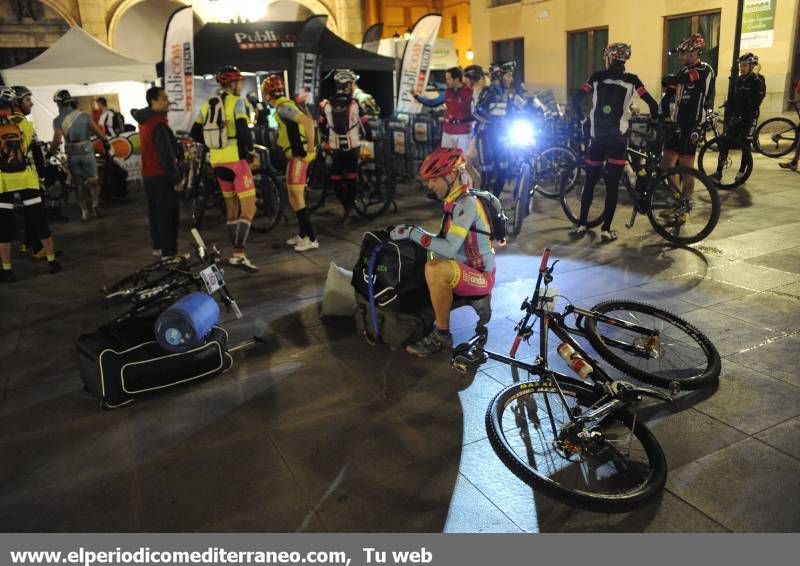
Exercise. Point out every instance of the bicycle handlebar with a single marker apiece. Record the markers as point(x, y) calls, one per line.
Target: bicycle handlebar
point(545, 258)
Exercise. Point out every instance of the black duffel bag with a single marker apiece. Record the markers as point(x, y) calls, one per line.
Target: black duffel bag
point(398, 272)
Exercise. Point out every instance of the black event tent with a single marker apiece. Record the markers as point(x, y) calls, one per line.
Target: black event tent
point(268, 46)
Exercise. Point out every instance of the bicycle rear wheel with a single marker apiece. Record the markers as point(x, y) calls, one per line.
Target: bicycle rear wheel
point(572, 195)
point(610, 464)
point(775, 137)
point(201, 198)
point(727, 157)
point(268, 201)
point(679, 219)
point(375, 189)
point(551, 162)
point(678, 353)
point(318, 183)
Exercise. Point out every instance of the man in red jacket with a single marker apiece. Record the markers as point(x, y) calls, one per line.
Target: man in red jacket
point(458, 115)
point(159, 172)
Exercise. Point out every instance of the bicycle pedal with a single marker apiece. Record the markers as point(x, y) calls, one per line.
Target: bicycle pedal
point(465, 363)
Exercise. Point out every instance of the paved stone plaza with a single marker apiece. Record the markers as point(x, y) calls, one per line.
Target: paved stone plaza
point(315, 430)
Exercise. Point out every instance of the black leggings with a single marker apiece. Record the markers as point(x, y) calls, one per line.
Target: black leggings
point(612, 150)
point(33, 211)
point(344, 175)
point(494, 160)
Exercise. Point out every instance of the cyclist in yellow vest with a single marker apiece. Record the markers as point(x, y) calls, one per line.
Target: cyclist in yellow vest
point(297, 139)
point(232, 161)
point(23, 184)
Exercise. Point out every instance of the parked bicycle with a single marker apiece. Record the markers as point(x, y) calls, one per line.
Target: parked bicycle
point(375, 187)
point(677, 215)
point(155, 287)
point(581, 439)
point(205, 192)
point(777, 137)
point(726, 159)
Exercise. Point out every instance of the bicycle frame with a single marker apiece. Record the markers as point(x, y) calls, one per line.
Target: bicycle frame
point(473, 354)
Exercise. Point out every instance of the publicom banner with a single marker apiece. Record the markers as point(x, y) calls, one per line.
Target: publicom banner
point(179, 68)
point(416, 66)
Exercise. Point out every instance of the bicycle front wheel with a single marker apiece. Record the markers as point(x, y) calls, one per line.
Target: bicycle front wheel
point(551, 162)
point(684, 205)
point(572, 196)
point(775, 137)
point(521, 200)
point(268, 201)
point(375, 189)
point(676, 351)
point(727, 161)
point(608, 464)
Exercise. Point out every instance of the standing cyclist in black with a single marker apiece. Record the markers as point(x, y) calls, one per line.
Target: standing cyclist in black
point(742, 110)
point(692, 89)
point(344, 123)
point(495, 103)
point(612, 91)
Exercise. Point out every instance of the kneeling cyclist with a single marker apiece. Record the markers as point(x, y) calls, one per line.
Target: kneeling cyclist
point(461, 256)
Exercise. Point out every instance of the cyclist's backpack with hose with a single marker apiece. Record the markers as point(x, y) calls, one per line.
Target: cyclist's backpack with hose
point(392, 300)
point(12, 147)
point(215, 127)
point(494, 211)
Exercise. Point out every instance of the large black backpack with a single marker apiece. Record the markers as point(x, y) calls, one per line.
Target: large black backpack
point(397, 272)
point(392, 298)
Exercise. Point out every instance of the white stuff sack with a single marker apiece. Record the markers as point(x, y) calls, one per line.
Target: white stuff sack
point(339, 298)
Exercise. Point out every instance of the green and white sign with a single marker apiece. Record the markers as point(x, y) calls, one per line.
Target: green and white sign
point(758, 23)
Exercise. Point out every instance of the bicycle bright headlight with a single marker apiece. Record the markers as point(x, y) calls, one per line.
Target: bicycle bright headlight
point(521, 133)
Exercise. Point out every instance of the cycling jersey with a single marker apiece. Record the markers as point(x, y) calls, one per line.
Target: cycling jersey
point(458, 238)
point(495, 103)
point(240, 141)
point(458, 102)
point(291, 135)
point(694, 92)
point(748, 92)
point(612, 91)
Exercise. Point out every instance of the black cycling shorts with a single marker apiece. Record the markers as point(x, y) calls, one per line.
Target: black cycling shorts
point(684, 143)
point(613, 149)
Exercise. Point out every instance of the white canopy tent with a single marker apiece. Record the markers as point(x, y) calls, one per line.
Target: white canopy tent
point(83, 65)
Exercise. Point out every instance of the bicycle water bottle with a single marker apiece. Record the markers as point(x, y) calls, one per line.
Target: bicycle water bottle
point(575, 361)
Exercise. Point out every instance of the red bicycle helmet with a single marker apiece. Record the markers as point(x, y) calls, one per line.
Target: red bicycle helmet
point(228, 74)
point(441, 162)
point(694, 42)
point(273, 86)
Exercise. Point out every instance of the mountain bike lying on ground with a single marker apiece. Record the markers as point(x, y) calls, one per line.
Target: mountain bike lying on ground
point(582, 440)
point(160, 284)
point(677, 214)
